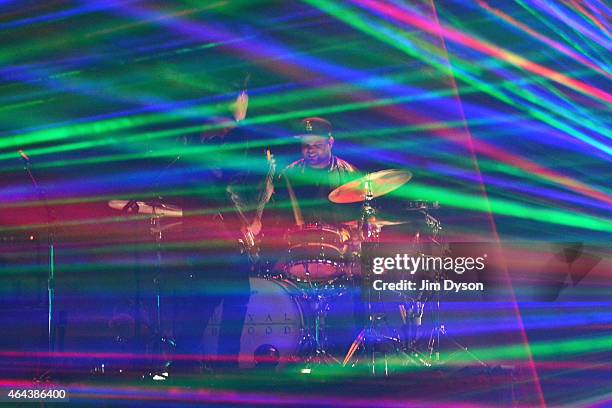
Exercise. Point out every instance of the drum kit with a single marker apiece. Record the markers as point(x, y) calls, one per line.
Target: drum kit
point(297, 308)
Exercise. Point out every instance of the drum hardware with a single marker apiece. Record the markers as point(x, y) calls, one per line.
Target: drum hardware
point(422, 205)
point(311, 342)
point(161, 228)
point(439, 332)
point(433, 354)
point(267, 269)
point(160, 344)
point(375, 341)
point(160, 341)
point(371, 340)
point(380, 338)
point(435, 227)
point(433, 223)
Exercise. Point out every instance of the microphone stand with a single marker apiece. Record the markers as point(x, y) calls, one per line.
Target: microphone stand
point(51, 325)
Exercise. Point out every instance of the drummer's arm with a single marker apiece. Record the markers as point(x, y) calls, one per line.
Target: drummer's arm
point(273, 226)
point(277, 216)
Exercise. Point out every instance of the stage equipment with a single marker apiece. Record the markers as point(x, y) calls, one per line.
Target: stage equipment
point(50, 229)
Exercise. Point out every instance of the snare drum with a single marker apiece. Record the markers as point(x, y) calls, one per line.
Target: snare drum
point(315, 253)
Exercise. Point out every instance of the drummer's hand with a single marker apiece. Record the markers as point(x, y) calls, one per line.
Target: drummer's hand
point(268, 191)
point(240, 106)
point(255, 227)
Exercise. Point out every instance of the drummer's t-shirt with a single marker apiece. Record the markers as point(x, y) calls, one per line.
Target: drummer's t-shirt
point(311, 187)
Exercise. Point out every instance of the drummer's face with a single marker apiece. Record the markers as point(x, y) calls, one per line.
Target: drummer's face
point(316, 150)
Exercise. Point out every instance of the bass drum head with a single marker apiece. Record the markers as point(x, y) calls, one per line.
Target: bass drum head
point(274, 318)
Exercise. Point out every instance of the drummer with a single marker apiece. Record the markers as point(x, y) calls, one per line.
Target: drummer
point(301, 199)
point(302, 188)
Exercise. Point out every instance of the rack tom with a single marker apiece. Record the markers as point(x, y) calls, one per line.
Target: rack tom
point(316, 253)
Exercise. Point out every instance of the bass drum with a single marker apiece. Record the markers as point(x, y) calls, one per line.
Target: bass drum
point(279, 316)
point(275, 317)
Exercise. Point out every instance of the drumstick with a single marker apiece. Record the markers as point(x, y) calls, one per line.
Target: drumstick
point(353, 348)
point(297, 213)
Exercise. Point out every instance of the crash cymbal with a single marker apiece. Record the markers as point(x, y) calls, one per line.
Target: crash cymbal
point(380, 183)
point(143, 207)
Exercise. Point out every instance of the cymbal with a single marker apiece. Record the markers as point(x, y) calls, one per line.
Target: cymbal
point(143, 207)
point(420, 205)
point(380, 183)
point(378, 222)
point(162, 228)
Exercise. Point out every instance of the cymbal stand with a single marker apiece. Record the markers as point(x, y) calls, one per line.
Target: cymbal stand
point(369, 338)
point(439, 331)
point(315, 353)
point(159, 340)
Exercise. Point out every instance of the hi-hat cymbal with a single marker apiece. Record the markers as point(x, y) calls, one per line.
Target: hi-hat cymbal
point(378, 222)
point(162, 228)
point(142, 207)
point(378, 184)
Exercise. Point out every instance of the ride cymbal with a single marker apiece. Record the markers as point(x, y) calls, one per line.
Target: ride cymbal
point(376, 184)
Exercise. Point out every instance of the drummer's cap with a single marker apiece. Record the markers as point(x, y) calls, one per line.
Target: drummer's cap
point(313, 127)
